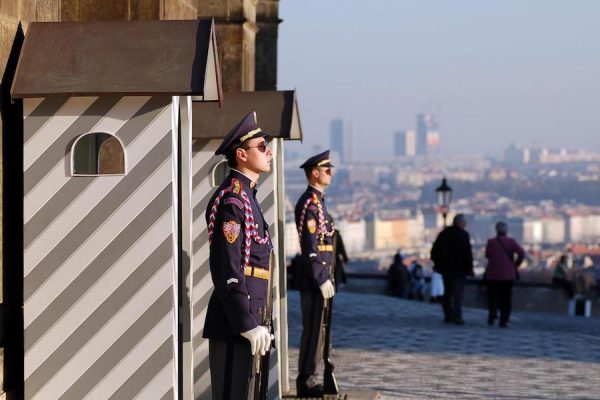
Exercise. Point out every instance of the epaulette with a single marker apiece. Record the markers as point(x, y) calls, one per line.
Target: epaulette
point(315, 198)
point(236, 186)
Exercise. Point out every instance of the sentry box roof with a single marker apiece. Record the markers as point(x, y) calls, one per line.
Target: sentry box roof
point(119, 58)
point(276, 111)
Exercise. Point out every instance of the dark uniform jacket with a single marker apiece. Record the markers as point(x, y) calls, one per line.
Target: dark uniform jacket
point(315, 246)
point(235, 302)
point(451, 253)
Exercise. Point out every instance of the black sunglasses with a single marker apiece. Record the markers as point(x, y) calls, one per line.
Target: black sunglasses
point(261, 147)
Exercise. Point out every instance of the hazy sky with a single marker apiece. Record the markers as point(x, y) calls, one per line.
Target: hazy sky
point(493, 72)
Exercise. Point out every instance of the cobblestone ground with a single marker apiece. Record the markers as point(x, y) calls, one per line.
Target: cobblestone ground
point(403, 350)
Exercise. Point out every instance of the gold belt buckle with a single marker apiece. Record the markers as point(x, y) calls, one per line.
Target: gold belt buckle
point(256, 272)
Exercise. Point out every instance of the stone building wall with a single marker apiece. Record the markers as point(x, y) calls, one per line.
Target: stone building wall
point(267, 21)
point(236, 36)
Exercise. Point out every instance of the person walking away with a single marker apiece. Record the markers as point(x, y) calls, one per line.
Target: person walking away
point(504, 256)
point(452, 257)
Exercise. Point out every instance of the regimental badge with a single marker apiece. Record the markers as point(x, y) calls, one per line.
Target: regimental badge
point(237, 186)
point(312, 225)
point(315, 199)
point(231, 230)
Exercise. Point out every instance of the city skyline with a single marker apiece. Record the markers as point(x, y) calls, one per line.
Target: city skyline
point(492, 73)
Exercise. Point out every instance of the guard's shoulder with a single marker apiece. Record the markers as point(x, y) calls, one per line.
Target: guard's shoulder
point(315, 199)
point(233, 194)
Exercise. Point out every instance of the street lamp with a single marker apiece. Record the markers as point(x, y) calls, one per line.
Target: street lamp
point(444, 197)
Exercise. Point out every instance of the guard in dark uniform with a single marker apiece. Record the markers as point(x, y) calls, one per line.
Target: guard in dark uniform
point(239, 263)
point(316, 232)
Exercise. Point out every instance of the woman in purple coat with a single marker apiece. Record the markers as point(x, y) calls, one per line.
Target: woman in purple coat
point(501, 272)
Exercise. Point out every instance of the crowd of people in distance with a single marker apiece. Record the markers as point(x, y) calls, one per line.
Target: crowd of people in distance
point(452, 259)
point(412, 282)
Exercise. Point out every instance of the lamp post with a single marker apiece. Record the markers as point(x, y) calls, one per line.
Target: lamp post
point(444, 197)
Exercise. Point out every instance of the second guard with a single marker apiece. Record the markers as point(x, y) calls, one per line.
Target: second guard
point(316, 232)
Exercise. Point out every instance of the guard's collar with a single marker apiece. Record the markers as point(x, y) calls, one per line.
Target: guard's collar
point(315, 190)
point(243, 177)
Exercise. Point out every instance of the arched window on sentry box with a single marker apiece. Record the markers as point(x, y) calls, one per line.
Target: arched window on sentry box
point(219, 173)
point(97, 154)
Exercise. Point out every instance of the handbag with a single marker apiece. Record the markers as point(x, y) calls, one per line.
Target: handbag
point(509, 255)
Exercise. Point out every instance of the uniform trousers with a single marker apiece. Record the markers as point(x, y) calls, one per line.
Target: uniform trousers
point(500, 297)
point(230, 369)
point(454, 288)
point(311, 342)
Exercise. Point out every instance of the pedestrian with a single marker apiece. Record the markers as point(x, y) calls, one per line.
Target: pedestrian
point(559, 276)
point(398, 277)
point(239, 251)
point(417, 281)
point(504, 256)
point(316, 232)
point(453, 258)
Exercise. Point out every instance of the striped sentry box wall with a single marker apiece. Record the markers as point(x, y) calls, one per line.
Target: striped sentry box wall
point(100, 253)
point(203, 164)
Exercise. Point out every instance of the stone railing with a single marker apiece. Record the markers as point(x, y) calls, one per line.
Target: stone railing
point(527, 296)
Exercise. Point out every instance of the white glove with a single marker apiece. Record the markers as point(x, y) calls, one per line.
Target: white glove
point(327, 289)
point(259, 338)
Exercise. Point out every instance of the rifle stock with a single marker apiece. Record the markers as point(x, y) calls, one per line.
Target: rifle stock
point(330, 385)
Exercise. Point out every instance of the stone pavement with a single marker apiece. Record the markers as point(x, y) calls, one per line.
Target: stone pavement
point(403, 350)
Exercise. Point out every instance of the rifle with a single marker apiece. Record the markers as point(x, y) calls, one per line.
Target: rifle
point(330, 385)
point(259, 384)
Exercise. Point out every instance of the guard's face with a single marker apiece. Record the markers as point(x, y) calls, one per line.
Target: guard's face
point(324, 175)
point(259, 155)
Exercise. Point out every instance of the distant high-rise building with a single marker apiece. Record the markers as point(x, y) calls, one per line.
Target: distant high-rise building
point(433, 143)
point(340, 138)
point(516, 155)
point(428, 137)
point(404, 143)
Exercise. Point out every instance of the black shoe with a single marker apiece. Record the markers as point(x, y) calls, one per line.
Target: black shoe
point(459, 321)
point(490, 320)
point(303, 390)
point(503, 325)
point(447, 320)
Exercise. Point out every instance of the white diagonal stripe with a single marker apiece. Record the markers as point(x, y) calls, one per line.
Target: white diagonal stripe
point(74, 212)
point(130, 363)
point(159, 385)
point(98, 241)
point(98, 293)
point(58, 176)
point(106, 336)
point(54, 127)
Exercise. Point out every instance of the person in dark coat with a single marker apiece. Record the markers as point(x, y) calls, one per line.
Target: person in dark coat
point(240, 248)
point(398, 277)
point(316, 232)
point(504, 256)
point(453, 258)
